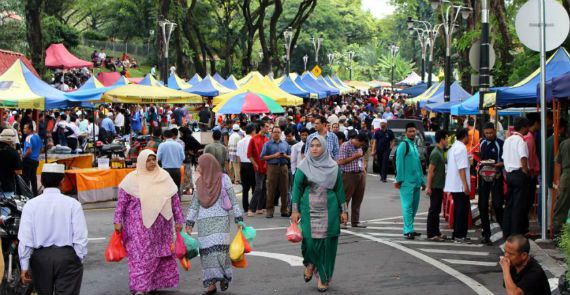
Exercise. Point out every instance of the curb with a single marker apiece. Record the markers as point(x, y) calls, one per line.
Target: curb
point(554, 266)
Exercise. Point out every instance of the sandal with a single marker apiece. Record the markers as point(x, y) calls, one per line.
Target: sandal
point(309, 277)
point(224, 285)
point(322, 289)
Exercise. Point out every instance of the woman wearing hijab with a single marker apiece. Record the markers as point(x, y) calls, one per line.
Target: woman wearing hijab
point(206, 209)
point(319, 202)
point(147, 204)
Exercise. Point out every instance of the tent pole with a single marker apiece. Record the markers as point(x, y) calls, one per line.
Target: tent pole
point(544, 190)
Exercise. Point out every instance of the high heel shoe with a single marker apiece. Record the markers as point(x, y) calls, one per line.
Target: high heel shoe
point(310, 277)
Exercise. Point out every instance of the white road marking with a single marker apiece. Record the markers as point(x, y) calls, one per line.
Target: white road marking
point(292, 260)
point(385, 235)
point(553, 282)
point(471, 283)
point(446, 251)
point(397, 222)
point(270, 228)
point(96, 239)
point(469, 262)
point(392, 218)
point(415, 227)
point(428, 243)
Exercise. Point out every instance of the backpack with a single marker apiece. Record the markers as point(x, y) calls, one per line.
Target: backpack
point(405, 154)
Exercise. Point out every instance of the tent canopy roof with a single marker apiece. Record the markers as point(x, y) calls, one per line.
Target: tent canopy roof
point(58, 57)
point(291, 87)
point(231, 83)
point(208, 87)
point(175, 82)
point(263, 85)
point(135, 93)
point(7, 59)
point(411, 80)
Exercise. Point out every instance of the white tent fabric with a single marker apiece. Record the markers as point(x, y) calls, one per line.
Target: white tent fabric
point(412, 79)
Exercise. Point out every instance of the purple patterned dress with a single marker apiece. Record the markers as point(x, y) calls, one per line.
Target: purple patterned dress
point(152, 265)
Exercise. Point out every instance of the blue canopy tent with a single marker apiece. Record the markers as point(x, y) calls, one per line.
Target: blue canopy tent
point(333, 90)
point(524, 92)
point(231, 83)
point(320, 93)
point(174, 82)
point(415, 90)
point(149, 80)
point(195, 80)
point(441, 107)
point(558, 87)
point(207, 87)
point(457, 93)
point(219, 78)
point(312, 83)
point(291, 87)
point(91, 91)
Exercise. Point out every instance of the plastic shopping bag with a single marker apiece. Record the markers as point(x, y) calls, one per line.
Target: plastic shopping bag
point(294, 233)
point(240, 264)
point(185, 263)
point(237, 247)
point(179, 247)
point(246, 245)
point(248, 232)
point(192, 249)
point(115, 251)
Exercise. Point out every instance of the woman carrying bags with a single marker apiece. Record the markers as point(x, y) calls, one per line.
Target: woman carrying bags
point(147, 204)
point(319, 202)
point(213, 198)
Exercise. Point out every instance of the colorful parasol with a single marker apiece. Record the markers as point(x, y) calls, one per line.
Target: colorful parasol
point(249, 103)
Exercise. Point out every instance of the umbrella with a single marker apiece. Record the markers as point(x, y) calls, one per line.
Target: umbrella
point(249, 103)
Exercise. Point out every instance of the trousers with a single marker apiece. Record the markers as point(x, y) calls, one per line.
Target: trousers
point(383, 156)
point(562, 203)
point(486, 190)
point(29, 173)
point(277, 186)
point(175, 175)
point(247, 175)
point(56, 270)
point(410, 198)
point(433, 213)
point(258, 199)
point(516, 212)
point(461, 204)
point(354, 184)
point(235, 171)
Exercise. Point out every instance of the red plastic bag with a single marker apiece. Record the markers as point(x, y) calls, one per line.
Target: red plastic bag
point(240, 264)
point(246, 246)
point(115, 251)
point(185, 263)
point(294, 233)
point(179, 247)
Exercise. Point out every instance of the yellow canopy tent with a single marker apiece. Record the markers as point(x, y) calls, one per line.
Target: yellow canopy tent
point(248, 77)
point(426, 95)
point(135, 93)
point(358, 85)
point(264, 86)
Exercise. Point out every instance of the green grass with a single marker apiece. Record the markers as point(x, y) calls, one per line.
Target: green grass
point(84, 52)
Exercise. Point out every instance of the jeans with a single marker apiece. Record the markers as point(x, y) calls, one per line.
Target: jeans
point(435, 201)
point(258, 200)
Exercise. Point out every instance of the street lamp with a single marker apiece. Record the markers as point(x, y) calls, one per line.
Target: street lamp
point(393, 53)
point(288, 35)
point(449, 17)
point(427, 34)
point(305, 61)
point(167, 28)
point(350, 58)
point(331, 60)
point(317, 45)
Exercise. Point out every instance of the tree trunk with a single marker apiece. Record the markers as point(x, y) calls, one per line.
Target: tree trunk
point(251, 29)
point(505, 57)
point(274, 36)
point(34, 33)
point(266, 62)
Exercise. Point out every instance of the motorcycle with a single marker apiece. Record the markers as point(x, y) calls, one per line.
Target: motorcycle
point(11, 282)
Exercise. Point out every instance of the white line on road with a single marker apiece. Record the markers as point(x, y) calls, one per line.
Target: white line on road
point(469, 262)
point(292, 260)
point(447, 251)
point(96, 239)
point(416, 228)
point(471, 283)
point(385, 235)
point(427, 243)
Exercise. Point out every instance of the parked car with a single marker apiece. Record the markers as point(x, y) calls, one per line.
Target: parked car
point(430, 143)
point(398, 126)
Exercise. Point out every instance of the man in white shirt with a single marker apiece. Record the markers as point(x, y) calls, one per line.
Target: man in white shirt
point(90, 129)
point(232, 151)
point(296, 150)
point(120, 122)
point(457, 183)
point(376, 123)
point(515, 156)
point(247, 174)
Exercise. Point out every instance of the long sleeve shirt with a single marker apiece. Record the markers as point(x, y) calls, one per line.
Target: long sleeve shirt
point(171, 154)
point(408, 164)
point(51, 219)
point(108, 125)
point(332, 143)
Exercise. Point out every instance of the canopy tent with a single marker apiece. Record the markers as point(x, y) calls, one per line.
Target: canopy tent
point(339, 81)
point(248, 77)
point(208, 87)
point(231, 83)
point(135, 93)
point(7, 59)
point(363, 86)
point(411, 80)
point(435, 88)
point(195, 79)
point(379, 84)
point(471, 105)
point(291, 87)
point(415, 90)
point(314, 84)
point(333, 90)
point(558, 87)
point(219, 78)
point(58, 57)
point(441, 107)
point(343, 89)
point(92, 90)
point(457, 93)
point(108, 78)
point(149, 80)
point(524, 92)
point(319, 93)
point(266, 87)
point(20, 88)
point(175, 82)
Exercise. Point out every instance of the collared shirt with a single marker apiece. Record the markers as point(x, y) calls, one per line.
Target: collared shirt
point(533, 162)
point(514, 149)
point(254, 150)
point(108, 125)
point(232, 146)
point(51, 219)
point(120, 120)
point(33, 142)
point(437, 159)
point(272, 147)
point(383, 139)
point(332, 143)
point(348, 149)
point(388, 116)
point(170, 153)
point(242, 149)
point(296, 155)
point(457, 159)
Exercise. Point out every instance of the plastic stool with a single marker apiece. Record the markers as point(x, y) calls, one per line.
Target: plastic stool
point(451, 218)
point(473, 187)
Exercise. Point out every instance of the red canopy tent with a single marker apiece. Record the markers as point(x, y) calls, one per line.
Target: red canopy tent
point(7, 59)
point(58, 57)
point(108, 78)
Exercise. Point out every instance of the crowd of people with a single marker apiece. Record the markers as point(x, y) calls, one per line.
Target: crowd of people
point(311, 162)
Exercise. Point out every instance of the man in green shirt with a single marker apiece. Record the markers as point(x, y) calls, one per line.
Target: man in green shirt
point(562, 183)
point(409, 179)
point(435, 184)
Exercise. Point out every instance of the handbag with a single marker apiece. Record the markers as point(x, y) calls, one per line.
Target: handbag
point(226, 202)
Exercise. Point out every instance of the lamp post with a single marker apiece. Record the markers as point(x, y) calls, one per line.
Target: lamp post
point(150, 37)
point(450, 15)
point(331, 61)
point(484, 63)
point(305, 61)
point(350, 58)
point(317, 45)
point(430, 34)
point(393, 53)
point(167, 28)
point(288, 35)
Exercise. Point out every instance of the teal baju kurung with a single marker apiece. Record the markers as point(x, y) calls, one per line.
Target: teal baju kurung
point(320, 210)
point(410, 175)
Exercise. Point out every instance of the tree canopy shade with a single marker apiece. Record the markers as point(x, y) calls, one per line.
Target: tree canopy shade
point(58, 57)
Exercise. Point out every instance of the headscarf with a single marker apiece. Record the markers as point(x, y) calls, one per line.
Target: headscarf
point(209, 183)
point(153, 188)
point(322, 169)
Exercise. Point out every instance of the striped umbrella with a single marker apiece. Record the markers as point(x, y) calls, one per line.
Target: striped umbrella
point(249, 103)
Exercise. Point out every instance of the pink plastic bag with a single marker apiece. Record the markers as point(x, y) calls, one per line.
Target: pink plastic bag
point(179, 247)
point(294, 233)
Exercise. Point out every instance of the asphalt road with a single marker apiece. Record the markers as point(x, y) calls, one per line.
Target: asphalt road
point(375, 260)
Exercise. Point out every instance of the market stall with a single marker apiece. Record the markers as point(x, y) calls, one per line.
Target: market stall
point(70, 161)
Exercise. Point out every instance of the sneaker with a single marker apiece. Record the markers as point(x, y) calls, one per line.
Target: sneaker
point(409, 236)
point(358, 225)
point(462, 240)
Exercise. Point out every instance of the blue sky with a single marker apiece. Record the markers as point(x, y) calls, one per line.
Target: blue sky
point(378, 8)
